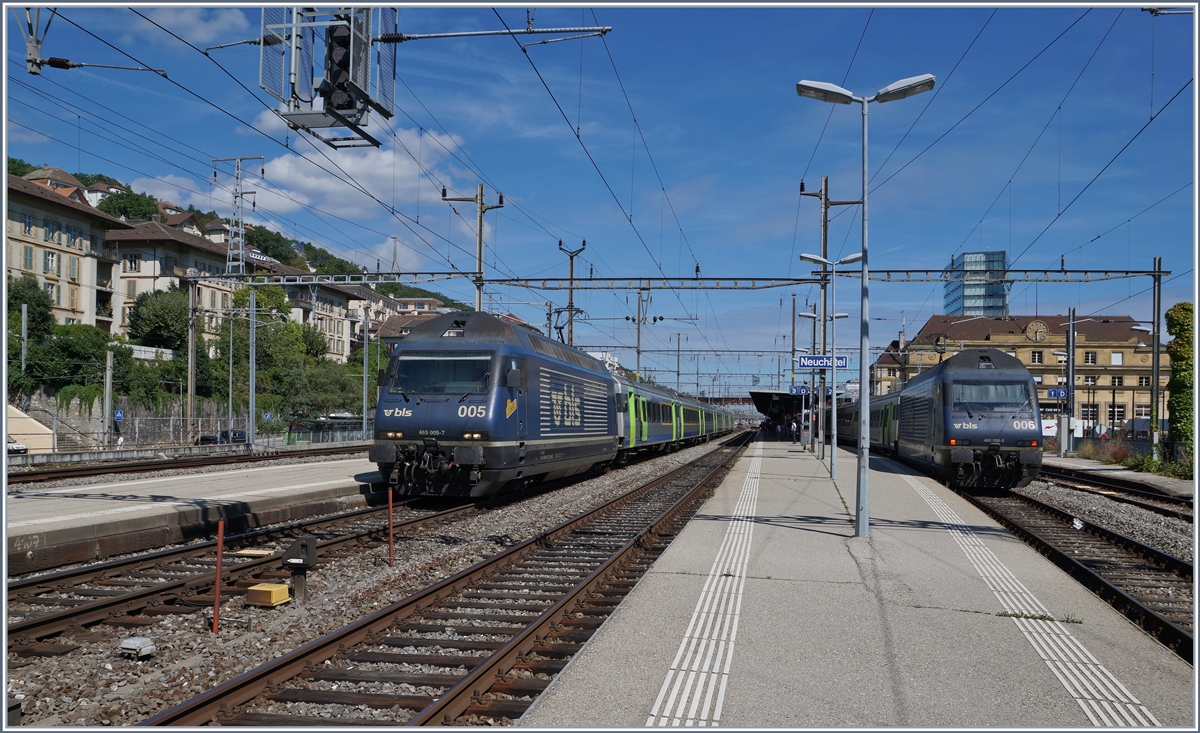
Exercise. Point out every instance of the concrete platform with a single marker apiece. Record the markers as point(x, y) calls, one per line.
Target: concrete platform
point(767, 612)
point(81, 518)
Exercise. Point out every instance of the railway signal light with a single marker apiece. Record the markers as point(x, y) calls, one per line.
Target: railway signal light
point(336, 90)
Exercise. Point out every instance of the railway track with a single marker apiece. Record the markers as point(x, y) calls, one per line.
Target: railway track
point(100, 469)
point(1122, 491)
point(1151, 588)
point(479, 646)
point(136, 591)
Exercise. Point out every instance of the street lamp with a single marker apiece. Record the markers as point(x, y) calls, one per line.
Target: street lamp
point(833, 346)
point(834, 94)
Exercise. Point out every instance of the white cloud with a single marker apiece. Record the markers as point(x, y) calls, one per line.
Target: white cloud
point(199, 25)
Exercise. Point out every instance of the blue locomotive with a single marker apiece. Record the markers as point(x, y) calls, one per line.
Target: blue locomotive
point(471, 403)
point(972, 421)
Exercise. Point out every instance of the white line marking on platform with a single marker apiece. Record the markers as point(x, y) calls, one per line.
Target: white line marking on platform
point(150, 504)
point(1101, 696)
point(701, 665)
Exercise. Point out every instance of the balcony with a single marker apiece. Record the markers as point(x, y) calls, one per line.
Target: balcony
point(104, 284)
point(105, 253)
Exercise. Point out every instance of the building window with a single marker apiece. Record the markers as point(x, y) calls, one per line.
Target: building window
point(212, 299)
point(131, 290)
point(891, 372)
point(1118, 358)
point(27, 224)
point(27, 258)
point(1062, 379)
point(73, 270)
point(124, 315)
point(73, 297)
point(1143, 381)
point(49, 288)
point(1116, 414)
point(1089, 381)
point(225, 300)
point(1089, 357)
point(50, 230)
point(133, 262)
point(1089, 411)
point(1035, 357)
point(71, 321)
point(1118, 381)
point(1141, 411)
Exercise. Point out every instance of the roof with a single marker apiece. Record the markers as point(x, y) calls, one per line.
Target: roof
point(396, 326)
point(54, 174)
point(156, 231)
point(174, 220)
point(215, 225)
point(890, 355)
point(974, 328)
point(100, 219)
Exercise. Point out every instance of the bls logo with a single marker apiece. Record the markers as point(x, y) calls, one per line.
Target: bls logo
point(966, 425)
point(398, 412)
point(565, 406)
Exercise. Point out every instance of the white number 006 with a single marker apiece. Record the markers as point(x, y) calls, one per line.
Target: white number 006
point(472, 411)
point(1018, 424)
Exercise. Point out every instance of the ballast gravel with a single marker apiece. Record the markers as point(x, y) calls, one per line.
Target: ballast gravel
point(97, 686)
point(1166, 534)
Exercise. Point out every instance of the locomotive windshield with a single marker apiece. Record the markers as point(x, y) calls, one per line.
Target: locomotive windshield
point(977, 397)
point(434, 372)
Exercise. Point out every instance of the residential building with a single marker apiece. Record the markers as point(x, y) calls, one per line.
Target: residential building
point(99, 191)
point(966, 295)
point(57, 238)
point(217, 231)
point(1113, 362)
point(326, 307)
point(177, 218)
point(155, 255)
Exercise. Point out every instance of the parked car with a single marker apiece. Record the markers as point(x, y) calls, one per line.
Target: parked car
point(15, 448)
point(208, 440)
point(233, 436)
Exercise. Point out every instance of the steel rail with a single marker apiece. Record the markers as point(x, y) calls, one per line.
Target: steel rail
point(1136, 488)
point(1173, 636)
point(205, 707)
point(102, 609)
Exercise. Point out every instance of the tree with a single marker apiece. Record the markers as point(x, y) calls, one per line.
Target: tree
point(269, 299)
point(159, 318)
point(89, 179)
point(274, 244)
point(1181, 325)
point(315, 344)
point(130, 205)
point(18, 167)
point(39, 311)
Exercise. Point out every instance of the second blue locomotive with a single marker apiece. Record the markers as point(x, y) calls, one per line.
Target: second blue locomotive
point(470, 404)
point(973, 421)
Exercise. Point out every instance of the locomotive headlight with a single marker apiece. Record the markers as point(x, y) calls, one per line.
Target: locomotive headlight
point(393, 434)
point(959, 441)
point(474, 436)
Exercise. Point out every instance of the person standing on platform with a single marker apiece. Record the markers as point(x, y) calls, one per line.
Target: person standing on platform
point(120, 442)
point(793, 432)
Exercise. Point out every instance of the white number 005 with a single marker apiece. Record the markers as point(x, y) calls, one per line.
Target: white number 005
point(472, 411)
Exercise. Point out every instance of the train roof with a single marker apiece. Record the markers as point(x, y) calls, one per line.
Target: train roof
point(476, 327)
point(974, 363)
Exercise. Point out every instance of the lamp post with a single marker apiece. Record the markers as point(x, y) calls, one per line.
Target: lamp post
point(833, 346)
point(834, 94)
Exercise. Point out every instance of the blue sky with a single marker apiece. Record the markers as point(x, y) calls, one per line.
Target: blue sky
point(713, 91)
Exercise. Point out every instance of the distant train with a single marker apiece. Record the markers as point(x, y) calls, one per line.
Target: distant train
point(972, 421)
point(470, 404)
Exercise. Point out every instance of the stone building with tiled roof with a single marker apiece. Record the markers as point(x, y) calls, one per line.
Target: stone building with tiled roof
point(60, 242)
point(155, 255)
point(1113, 362)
